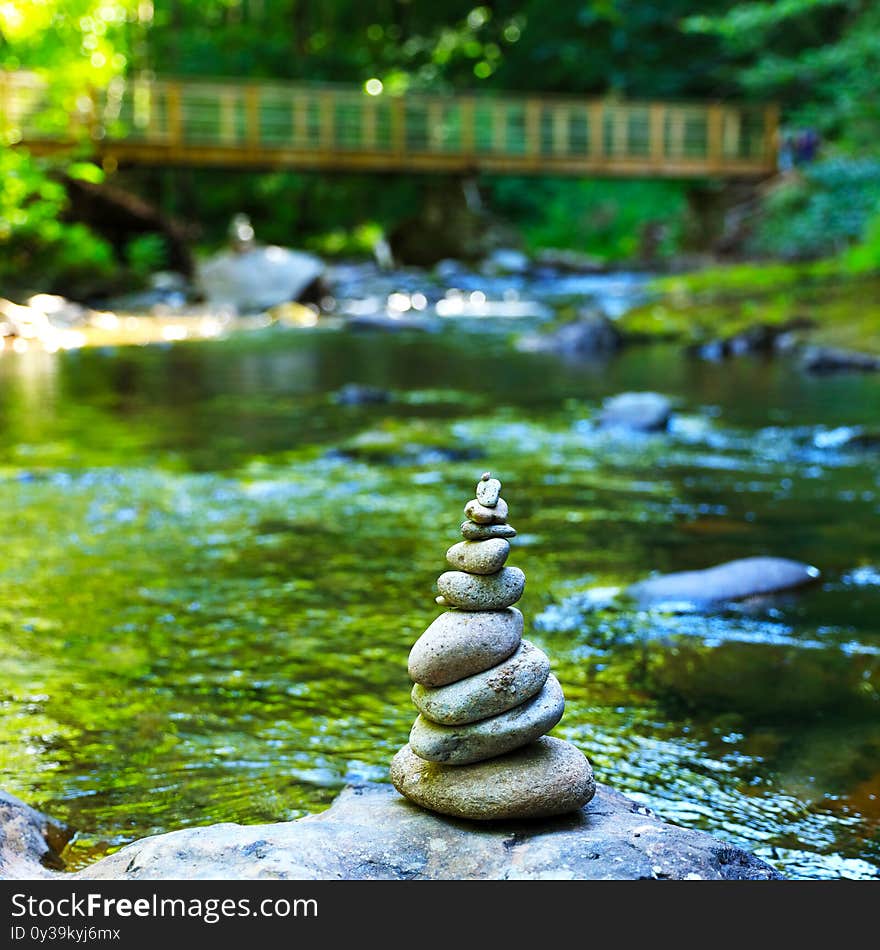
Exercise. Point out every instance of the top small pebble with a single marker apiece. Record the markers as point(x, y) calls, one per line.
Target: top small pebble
point(488, 490)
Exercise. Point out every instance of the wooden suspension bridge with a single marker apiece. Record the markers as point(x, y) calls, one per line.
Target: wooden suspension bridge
point(244, 124)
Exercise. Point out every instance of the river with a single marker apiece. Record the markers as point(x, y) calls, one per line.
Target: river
point(214, 571)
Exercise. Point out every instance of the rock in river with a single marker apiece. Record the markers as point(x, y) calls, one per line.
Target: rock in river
point(460, 643)
point(486, 694)
point(544, 778)
point(258, 278)
point(826, 359)
point(734, 580)
point(371, 833)
point(475, 592)
point(636, 412)
point(479, 557)
point(476, 741)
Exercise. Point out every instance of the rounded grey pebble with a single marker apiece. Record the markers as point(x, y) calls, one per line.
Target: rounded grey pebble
point(486, 694)
point(483, 515)
point(482, 592)
point(460, 643)
point(544, 778)
point(472, 531)
point(488, 492)
point(479, 557)
point(461, 745)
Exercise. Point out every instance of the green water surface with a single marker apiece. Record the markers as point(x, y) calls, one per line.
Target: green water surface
point(207, 607)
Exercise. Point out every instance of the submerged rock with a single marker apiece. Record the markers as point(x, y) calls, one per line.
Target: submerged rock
point(372, 833)
point(636, 412)
point(357, 394)
point(734, 580)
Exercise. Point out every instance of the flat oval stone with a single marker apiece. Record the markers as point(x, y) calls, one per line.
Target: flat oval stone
point(482, 592)
point(461, 745)
point(483, 515)
point(479, 557)
point(486, 694)
point(460, 643)
point(488, 492)
point(481, 532)
point(544, 778)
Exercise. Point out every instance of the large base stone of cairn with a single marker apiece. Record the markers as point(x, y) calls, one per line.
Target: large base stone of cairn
point(486, 697)
point(545, 778)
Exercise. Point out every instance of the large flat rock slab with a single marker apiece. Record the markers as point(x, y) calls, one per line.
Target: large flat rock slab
point(372, 833)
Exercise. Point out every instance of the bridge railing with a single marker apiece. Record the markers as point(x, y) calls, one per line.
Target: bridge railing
point(242, 122)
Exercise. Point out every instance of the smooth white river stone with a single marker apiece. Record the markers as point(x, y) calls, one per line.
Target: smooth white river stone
point(481, 532)
point(460, 643)
point(479, 557)
point(547, 777)
point(482, 592)
point(486, 694)
point(476, 741)
point(483, 515)
point(488, 492)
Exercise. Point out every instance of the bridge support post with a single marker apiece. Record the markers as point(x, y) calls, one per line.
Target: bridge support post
point(657, 134)
point(714, 137)
point(175, 114)
point(771, 136)
point(597, 131)
point(252, 116)
point(467, 125)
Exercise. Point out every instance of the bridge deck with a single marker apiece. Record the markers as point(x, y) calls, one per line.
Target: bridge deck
point(289, 125)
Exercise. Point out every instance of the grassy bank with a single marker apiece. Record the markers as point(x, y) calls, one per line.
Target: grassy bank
point(843, 303)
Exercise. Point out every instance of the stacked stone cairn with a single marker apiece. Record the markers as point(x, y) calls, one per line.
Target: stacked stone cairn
point(486, 697)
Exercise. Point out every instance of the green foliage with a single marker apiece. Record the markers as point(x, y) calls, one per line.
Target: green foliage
point(610, 219)
point(865, 256)
point(37, 248)
point(821, 212)
point(145, 254)
point(819, 57)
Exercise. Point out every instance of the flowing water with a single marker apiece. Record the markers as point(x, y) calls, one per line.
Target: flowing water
point(213, 573)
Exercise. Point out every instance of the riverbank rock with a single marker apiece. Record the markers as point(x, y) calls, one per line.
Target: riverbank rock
point(30, 842)
point(357, 394)
point(636, 412)
point(734, 580)
point(372, 833)
point(254, 280)
point(825, 359)
point(591, 336)
point(762, 338)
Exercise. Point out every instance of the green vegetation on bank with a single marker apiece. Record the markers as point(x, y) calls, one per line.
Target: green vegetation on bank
point(833, 296)
point(818, 58)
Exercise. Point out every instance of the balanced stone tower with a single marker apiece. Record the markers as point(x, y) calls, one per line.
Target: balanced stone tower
point(486, 697)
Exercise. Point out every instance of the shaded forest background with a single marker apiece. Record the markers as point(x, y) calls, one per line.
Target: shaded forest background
point(818, 58)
